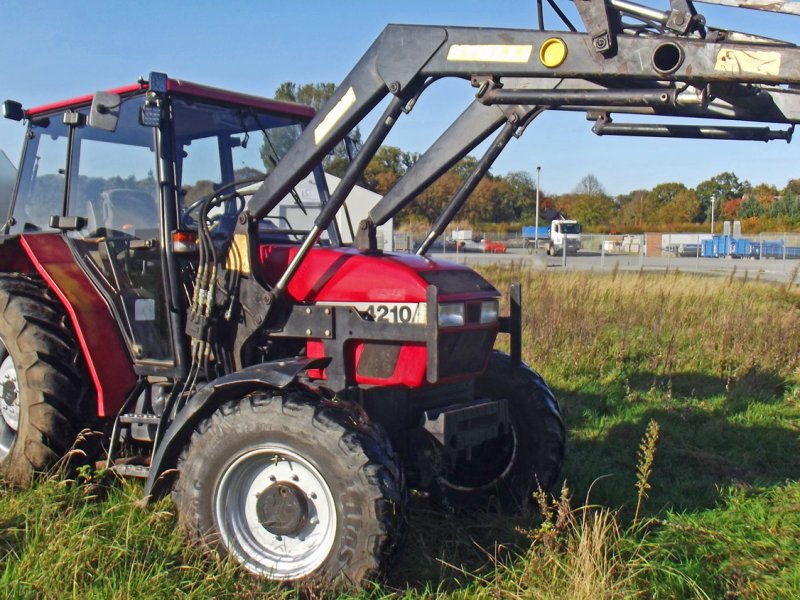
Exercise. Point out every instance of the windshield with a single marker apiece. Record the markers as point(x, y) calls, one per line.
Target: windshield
point(570, 228)
point(217, 146)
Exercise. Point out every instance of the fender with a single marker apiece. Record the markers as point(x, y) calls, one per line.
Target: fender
point(106, 355)
point(275, 375)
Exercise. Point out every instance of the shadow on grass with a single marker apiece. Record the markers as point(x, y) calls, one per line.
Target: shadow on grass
point(715, 433)
point(449, 552)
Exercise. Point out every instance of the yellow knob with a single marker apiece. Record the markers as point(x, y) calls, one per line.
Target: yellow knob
point(553, 52)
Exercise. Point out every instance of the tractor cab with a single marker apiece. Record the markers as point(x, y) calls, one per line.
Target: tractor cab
point(123, 175)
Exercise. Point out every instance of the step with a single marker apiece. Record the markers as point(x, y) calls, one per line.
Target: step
point(132, 418)
point(131, 470)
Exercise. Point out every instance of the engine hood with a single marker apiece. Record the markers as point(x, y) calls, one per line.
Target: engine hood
point(347, 274)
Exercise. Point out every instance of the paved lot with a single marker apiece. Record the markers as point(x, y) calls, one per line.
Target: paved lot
point(766, 269)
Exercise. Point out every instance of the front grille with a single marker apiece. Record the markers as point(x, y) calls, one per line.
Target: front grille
point(464, 352)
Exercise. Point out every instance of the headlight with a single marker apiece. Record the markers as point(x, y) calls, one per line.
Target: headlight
point(451, 315)
point(489, 310)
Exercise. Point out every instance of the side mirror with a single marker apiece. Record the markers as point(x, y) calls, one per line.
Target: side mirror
point(105, 111)
point(13, 110)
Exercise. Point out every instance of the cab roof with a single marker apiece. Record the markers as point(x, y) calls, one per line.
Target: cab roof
point(177, 86)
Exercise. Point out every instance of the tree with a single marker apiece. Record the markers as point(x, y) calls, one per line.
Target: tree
point(664, 193)
point(683, 208)
point(635, 209)
point(311, 94)
point(314, 95)
point(764, 194)
point(589, 209)
point(590, 186)
point(724, 186)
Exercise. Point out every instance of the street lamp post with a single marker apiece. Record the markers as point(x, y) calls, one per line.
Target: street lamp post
point(713, 199)
point(536, 228)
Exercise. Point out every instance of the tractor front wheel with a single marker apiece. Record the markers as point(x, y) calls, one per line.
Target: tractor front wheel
point(43, 391)
point(292, 488)
point(504, 472)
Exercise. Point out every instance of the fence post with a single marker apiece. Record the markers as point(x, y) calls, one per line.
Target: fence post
point(697, 254)
point(602, 251)
point(641, 250)
point(784, 252)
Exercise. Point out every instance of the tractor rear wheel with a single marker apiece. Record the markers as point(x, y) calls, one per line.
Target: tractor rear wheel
point(292, 488)
point(506, 471)
point(45, 398)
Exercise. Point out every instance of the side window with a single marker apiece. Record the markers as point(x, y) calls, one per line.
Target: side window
point(41, 187)
point(113, 184)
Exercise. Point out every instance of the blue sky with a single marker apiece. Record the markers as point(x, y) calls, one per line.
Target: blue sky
point(55, 50)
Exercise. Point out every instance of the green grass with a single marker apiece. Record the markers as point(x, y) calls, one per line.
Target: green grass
point(714, 362)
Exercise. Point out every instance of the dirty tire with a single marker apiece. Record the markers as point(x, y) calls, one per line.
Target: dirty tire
point(345, 513)
point(531, 460)
point(45, 395)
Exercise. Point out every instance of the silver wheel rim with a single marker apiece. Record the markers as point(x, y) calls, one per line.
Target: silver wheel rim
point(9, 405)
point(281, 557)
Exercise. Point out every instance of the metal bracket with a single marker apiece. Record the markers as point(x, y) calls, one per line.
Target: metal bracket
point(598, 25)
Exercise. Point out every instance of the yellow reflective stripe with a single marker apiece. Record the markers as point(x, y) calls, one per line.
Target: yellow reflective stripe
point(333, 117)
point(490, 53)
point(764, 62)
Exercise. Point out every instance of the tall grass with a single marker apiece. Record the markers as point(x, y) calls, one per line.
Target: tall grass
point(706, 506)
point(584, 326)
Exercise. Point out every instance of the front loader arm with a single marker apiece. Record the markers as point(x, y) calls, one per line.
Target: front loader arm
point(405, 55)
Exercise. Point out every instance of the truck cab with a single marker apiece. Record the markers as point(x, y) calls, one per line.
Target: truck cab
point(564, 234)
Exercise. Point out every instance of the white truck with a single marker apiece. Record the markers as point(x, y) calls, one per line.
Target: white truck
point(560, 234)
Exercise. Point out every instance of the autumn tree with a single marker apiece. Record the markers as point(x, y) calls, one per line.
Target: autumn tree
point(722, 187)
point(635, 209)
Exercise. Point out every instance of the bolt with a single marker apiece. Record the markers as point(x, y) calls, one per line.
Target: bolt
point(272, 478)
point(600, 43)
point(679, 20)
point(327, 333)
point(242, 218)
point(313, 521)
point(308, 332)
point(279, 538)
point(295, 478)
point(394, 87)
point(313, 495)
point(327, 311)
point(308, 311)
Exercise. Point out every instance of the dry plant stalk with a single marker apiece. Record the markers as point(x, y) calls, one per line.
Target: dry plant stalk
point(644, 465)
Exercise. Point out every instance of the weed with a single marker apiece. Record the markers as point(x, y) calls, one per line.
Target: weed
point(644, 466)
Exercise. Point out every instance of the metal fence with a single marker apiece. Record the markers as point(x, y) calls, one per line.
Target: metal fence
point(767, 255)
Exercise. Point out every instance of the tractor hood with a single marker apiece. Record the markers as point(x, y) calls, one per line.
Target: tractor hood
point(349, 275)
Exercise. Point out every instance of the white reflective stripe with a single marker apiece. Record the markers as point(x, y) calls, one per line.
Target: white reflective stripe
point(333, 117)
point(490, 53)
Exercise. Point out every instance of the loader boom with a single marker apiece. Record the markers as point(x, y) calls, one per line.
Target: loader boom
point(698, 72)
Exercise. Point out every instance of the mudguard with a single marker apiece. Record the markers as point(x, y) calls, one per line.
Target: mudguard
point(107, 358)
point(275, 375)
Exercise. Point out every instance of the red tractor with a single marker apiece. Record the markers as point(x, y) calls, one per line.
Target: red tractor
point(173, 275)
point(295, 420)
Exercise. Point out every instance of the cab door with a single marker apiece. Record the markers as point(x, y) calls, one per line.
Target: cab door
point(113, 187)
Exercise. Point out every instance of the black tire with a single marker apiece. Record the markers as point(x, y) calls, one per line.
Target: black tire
point(45, 397)
point(505, 473)
point(346, 478)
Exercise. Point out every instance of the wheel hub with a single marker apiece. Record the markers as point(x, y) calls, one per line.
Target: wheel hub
point(282, 509)
point(9, 395)
point(276, 512)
